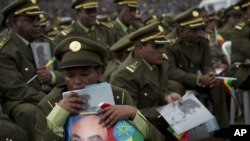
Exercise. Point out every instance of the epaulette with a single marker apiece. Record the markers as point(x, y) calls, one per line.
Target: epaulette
point(172, 41)
point(164, 56)
point(206, 35)
point(66, 31)
point(240, 25)
point(4, 39)
point(47, 37)
point(132, 67)
point(104, 24)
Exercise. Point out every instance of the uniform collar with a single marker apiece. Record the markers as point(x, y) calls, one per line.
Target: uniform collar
point(84, 27)
point(23, 39)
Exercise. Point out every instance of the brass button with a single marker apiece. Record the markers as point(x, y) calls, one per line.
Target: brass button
point(117, 97)
point(145, 94)
point(26, 69)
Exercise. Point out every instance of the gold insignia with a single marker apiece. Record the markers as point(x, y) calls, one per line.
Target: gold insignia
point(164, 56)
point(75, 46)
point(4, 39)
point(33, 1)
point(132, 67)
point(161, 29)
point(240, 25)
point(145, 94)
point(236, 7)
point(26, 69)
point(195, 13)
point(172, 41)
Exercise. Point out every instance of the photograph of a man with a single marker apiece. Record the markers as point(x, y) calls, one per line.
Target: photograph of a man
point(88, 128)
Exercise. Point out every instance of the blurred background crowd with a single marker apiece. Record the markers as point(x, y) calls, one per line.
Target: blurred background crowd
point(148, 7)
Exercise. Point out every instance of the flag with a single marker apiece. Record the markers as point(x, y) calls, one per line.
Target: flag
point(123, 130)
point(227, 83)
point(180, 137)
point(219, 39)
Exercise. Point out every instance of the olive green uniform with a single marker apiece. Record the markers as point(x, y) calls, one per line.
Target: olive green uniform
point(146, 84)
point(240, 53)
point(9, 130)
point(226, 32)
point(121, 29)
point(110, 68)
point(47, 104)
point(99, 33)
point(17, 66)
point(187, 61)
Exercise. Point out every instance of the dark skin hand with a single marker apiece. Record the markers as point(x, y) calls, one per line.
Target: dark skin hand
point(73, 103)
point(43, 75)
point(111, 114)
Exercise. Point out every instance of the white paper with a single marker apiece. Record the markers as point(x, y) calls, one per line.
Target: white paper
point(42, 53)
point(183, 117)
point(94, 95)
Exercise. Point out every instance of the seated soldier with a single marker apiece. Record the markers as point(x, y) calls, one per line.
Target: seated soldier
point(191, 64)
point(82, 61)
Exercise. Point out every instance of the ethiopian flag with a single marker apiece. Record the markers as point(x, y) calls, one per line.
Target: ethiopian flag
point(123, 130)
point(219, 39)
point(227, 83)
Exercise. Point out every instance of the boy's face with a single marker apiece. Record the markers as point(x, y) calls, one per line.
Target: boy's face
point(78, 77)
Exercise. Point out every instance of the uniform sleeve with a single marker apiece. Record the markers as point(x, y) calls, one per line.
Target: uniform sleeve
point(13, 84)
point(176, 73)
point(45, 127)
point(56, 120)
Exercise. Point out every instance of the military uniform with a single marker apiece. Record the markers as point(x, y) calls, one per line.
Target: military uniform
point(9, 130)
point(120, 49)
point(75, 52)
point(189, 60)
point(240, 53)
point(120, 28)
point(227, 29)
point(146, 83)
point(17, 66)
point(98, 32)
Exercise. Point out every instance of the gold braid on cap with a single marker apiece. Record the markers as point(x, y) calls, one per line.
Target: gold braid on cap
point(245, 5)
point(160, 34)
point(197, 24)
point(86, 5)
point(26, 9)
point(127, 2)
point(192, 22)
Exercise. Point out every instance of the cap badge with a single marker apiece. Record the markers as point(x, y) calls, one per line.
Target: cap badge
point(75, 46)
point(195, 13)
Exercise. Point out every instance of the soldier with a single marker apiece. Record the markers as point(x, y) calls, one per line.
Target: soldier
point(126, 16)
point(9, 130)
point(232, 16)
point(240, 49)
point(81, 61)
point(86, 26)
point(17, 65)
point(144, 74)
point(121, 49)
point(191, 62)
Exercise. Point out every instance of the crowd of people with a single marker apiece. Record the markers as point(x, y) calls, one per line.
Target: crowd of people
point(148, 62)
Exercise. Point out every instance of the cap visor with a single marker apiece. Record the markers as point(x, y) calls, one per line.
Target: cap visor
point(80, 63)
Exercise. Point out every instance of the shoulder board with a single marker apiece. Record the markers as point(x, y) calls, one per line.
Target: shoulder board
point(132, 67)
point(4, 39)
point(47, 37)
point(172, 41)
point(66, 31)
point(240, 25)
point(103, 24)
point(164, 56)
